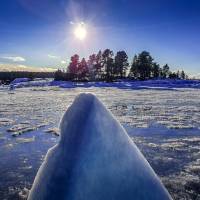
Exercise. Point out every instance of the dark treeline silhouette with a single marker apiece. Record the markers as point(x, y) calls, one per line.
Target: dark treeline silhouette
point(7, 77)
point(143, 67)
point(105, 66)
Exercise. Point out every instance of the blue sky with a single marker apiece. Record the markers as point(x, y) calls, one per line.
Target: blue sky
point(39, 32)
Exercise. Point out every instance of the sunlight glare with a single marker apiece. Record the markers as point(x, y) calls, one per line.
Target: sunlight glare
point(80, 31)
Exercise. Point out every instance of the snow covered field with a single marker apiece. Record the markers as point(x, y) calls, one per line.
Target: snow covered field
point(164, 123)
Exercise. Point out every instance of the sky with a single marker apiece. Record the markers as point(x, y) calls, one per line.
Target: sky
point(39, 33)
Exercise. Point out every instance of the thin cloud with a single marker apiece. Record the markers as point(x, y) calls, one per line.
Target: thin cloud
point(195, 76)
point(53, 56)
point(18, 67)
point(57, 58)
point(14, 58)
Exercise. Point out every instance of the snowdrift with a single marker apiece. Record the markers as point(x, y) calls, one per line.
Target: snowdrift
point(20, 80)
point(95, 160)
point(165, 84)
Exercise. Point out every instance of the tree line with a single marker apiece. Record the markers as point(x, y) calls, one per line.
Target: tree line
point(143, 67)
point(105, 66)
point(7, 77)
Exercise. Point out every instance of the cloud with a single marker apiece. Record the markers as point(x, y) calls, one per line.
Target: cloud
point(14, 58)
point(63, 62)
point(195, 76)
point(16, 67)
point(57, 58)
point(53, 56)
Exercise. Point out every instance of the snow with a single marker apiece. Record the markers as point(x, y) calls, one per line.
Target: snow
point(171, 115)
point(26, 82)
point(95, 159)
point(165, 84)
point(20, 80)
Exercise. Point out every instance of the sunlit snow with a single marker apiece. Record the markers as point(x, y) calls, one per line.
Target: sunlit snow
point(153, 118)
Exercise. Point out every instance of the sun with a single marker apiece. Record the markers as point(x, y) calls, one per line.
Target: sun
point(80, 31)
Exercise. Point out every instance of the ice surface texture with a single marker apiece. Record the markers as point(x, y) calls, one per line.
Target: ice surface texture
point(95, 160)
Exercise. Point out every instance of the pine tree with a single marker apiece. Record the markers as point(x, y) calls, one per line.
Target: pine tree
point(59, 75)
point(134, 72)
point(98, 65)
point(102, 66)
point(108, 64)
point(73, 65)
point(183, 76)
point(178, 74)
point(173, 75)
point(91, 66)
point(165, 71)
point(155, 70)
point(83, 70)
point(144, 65)
point(121, 64)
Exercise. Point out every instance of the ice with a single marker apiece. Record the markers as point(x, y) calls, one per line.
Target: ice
point(21, 128)
point(95, 159)
point(43, 107)
point(54, 131)
point(20, 80)
point(173, 145)
point(5, 122)
point(25, 140)
point(23, 194)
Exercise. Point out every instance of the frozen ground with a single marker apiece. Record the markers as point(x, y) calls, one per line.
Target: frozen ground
point(166, 84)
point(94, 159)
point(165, 125)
